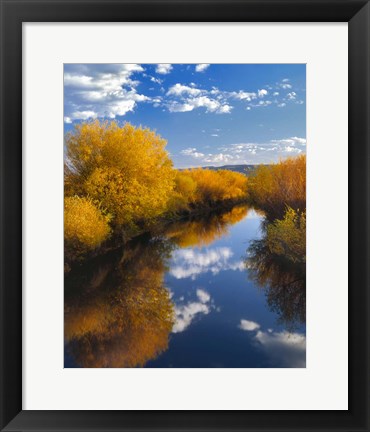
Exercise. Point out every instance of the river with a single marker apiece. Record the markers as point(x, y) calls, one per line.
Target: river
point(194, 294)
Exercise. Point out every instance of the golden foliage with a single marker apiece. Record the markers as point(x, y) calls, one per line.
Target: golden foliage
point(274, 187)
point(84, 223)
point(213, 186)
point(125, 168)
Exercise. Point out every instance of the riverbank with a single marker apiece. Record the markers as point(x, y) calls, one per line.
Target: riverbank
point(120, 237)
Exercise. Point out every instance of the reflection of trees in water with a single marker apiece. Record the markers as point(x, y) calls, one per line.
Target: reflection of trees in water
point(117, 312)
point(284, 281)
point(206, 229)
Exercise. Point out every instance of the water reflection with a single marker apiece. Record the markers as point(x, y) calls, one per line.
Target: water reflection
point(180, 298)
point(204, 230)
point(283, 280)
point(186, 313)
point(117, 311)
point(191, 263)
point(288, 349)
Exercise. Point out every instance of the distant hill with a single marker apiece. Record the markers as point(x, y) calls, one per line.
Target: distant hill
point(243, 169)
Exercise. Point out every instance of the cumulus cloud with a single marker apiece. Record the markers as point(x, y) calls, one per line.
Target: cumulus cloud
point(100, 90)
point(179, 89)
point(192, 152)
point(156, 80)
point(291, 141)
point(188, 97)
point(201, 67)
point(285, 84)
point(193, 101)
point(262, 93)
point(249, 153)
point(163, 68)
point(111, 90)
point(189, 263)
point(243, 95)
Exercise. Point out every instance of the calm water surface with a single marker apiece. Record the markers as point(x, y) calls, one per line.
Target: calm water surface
point(199, 293)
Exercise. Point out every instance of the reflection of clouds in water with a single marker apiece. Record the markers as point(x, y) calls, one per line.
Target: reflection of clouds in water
point(191, 263)
point(248, 325)
point(186, 313)
point(289, 349)
point(203, 296)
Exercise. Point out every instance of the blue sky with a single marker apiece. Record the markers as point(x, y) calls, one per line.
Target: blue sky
point(210, 114)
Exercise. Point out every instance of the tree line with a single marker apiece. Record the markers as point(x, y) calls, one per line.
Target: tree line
point(120, 180)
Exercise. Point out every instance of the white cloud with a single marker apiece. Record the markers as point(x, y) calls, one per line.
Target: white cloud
point(291, 141)
point(156, 80)
point(163, 68)
point(101, 90)
point(219, 158)
point(189, 263)
point(185, 98)
point(250, 153)
point(248, 325)
point(214, 135)
point(262, 93)
point(203, 296)
point(179, 89)
point(201, 67)
point(290, 149)
point(67, 120)
point(179, 107)
point(224, 109)
point(191, 103)
point(83, 115)
point(192, 152)
point(285, 84)
point(242, 95)
point(264, 103)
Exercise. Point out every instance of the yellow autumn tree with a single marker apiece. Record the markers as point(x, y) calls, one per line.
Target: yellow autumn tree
point(126, 169)
point(197, 188)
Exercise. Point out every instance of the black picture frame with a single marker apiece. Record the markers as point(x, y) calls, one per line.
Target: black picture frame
point(16, 12)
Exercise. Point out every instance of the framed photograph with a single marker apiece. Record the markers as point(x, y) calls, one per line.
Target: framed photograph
point(184, 215)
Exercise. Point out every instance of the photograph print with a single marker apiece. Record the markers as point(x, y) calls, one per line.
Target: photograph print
point(184, 215)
